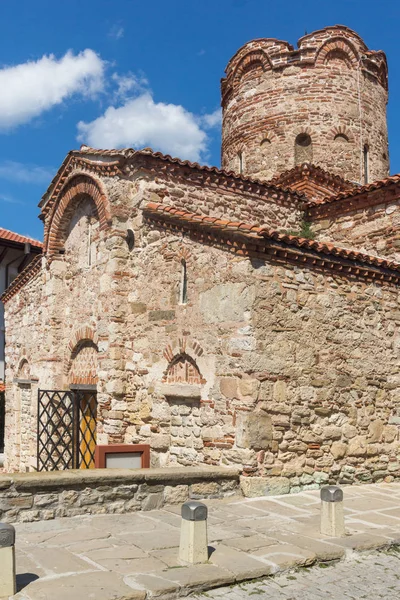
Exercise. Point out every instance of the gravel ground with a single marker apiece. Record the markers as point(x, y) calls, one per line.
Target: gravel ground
point(374, 576)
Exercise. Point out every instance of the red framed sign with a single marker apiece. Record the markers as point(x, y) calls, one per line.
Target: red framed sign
point(122, 456)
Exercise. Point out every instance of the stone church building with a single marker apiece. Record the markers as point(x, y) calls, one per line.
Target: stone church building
point(244, 316)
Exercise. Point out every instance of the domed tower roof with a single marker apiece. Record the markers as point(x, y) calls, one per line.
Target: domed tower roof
point(322, 103)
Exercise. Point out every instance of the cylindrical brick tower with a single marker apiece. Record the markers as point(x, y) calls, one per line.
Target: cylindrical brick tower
point(324, 103)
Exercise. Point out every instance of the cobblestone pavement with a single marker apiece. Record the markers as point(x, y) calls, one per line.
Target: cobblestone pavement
point(362, 577)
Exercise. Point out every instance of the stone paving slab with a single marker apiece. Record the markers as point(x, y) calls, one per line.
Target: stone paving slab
point(135, 556)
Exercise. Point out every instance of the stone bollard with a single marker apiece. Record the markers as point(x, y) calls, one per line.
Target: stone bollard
point(7, 560)
point(193, 548)
point(332, 515)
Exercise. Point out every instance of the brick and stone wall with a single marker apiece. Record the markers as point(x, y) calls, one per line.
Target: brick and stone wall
point(287, 372)
point(368, 222)
point(44, 496)
point(330, 94)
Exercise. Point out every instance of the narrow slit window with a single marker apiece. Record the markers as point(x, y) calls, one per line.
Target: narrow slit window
point(89, 243)
point(240, 156)
point(183, 294)
point(366, 173)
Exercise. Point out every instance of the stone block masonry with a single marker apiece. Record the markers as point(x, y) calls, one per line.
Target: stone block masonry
point(45, 496)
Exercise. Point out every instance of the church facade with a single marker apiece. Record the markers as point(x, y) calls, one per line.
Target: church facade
point(246, 316)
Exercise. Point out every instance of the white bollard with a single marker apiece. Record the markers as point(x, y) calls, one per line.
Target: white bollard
point(332, 514)
point(8, 585)
point(193, 547)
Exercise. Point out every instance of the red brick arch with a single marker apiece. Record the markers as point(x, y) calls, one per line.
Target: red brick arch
point(77, 187)
point(83, 334)
point(342, 130)
point(337, 47)
point(251, 60)
point(80, 336)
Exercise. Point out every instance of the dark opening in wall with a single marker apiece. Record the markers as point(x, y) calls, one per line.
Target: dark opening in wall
point(183, 293)
point(240, 157)
point(341, 137)
point(130, 239)
point(366, 165)
point(303, 151)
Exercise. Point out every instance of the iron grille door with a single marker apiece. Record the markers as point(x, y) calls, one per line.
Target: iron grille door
point(66, 429)
point(56, 431)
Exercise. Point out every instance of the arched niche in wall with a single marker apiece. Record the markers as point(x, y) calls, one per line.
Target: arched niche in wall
point(182, 377)
point(81, 234)
point(80, 190)
point(267, 149)
point(183, 369)
point(24, 371)
point(81, 358)
point(337, 58)
point(338, 52)
point(303, 149)
point(251, 68)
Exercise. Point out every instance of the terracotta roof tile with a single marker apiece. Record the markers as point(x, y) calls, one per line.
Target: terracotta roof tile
point(130, 152)
point(10, 236)
point(308, 169)
point(254, 232)
point(370, 187)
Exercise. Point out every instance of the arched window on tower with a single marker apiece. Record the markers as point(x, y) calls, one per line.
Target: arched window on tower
point(366, 165)
point(303, 151)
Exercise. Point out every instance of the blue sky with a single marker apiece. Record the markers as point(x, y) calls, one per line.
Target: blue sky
point(133, 73)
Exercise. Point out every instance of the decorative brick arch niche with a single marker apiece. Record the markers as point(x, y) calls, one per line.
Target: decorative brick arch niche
point(82, 364)
point(338, 52)
point(182, 376)
point(183, 369)
point(75, 190)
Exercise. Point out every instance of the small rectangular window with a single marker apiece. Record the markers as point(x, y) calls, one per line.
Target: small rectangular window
point(183, 294)
point(240, 155)
point(366, 174)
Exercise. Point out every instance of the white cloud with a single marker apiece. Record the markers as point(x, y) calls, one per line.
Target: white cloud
point(31, 88)
point(127, 84)
point(25, 173)
point(213, 120)
point(141, 122)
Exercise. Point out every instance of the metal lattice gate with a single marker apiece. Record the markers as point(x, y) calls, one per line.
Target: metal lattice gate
point(66, 429)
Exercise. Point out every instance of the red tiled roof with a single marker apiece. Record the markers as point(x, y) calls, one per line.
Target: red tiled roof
point(309, 171)
point(130, 152)
point(5, 234)
point(254, 232)
point(370, 187)
point(91, 160)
